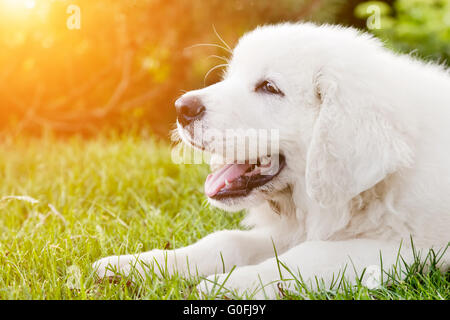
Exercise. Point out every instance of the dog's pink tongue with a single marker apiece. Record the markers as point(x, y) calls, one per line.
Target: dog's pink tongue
point(216, 180)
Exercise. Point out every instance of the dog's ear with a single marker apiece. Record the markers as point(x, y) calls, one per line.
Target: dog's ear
point(353, 147)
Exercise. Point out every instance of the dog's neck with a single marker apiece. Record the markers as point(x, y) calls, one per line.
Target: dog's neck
point(311, 216)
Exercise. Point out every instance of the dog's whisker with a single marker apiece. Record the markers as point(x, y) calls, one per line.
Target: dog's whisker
point(221, 39)
point(208, 45)
point(175, 136)
point(223, 65)
point(219, 57)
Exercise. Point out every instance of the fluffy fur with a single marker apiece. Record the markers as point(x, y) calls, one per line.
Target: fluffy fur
point(365, 133)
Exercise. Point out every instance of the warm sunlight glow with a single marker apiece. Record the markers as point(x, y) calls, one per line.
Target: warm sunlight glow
point(15, 13)
point(17, 6)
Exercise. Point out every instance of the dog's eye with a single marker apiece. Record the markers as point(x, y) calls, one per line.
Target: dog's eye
point(268, 87)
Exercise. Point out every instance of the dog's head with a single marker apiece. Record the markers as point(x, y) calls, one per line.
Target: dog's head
point(293, 110)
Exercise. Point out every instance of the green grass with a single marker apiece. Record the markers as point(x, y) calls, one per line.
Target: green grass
point(115, 195)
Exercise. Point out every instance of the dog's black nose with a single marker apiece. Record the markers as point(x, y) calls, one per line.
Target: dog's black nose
point(188, 110)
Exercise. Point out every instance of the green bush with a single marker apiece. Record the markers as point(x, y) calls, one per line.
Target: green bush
point(418, 26)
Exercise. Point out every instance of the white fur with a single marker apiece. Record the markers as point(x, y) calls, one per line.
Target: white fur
point(366, 135)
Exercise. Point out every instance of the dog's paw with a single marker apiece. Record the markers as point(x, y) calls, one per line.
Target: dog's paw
point(241, 283)
point(212, 287)
point(133, 265)
point(113, 266)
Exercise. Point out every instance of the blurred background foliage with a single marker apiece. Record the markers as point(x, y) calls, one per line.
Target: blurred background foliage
point(130, 59)
point(420, 27)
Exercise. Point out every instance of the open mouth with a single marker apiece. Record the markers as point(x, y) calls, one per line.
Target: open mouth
point(238, 180)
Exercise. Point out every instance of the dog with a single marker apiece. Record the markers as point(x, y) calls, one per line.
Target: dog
point(362, 168)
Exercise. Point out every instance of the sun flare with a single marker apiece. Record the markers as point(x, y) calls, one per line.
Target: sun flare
point(17, 5)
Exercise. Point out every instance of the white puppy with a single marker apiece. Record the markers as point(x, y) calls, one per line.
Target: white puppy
point(363, 162)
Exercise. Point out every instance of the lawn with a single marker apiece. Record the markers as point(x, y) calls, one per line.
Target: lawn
point(118, 194)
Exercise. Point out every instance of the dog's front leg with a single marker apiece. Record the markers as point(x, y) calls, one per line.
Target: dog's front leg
point(216, 253)
point(324, 260)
